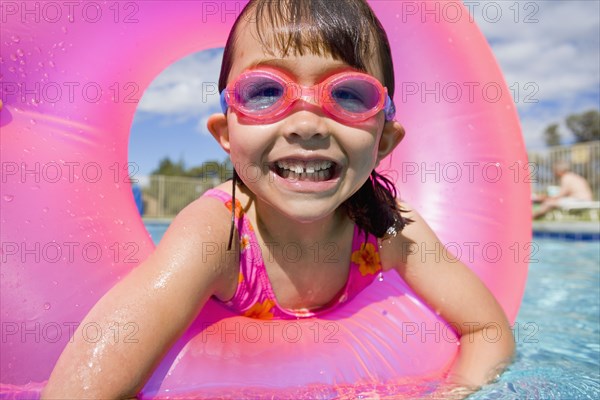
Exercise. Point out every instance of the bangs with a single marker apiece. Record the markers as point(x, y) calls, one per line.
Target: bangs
point(318, 27)
point(346, 30)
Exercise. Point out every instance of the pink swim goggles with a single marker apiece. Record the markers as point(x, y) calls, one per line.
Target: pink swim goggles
point(268, 94)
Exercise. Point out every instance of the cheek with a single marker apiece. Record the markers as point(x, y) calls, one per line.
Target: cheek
point(363, 150)
point(363, 143)
point(247, 148)
point(247, 166)
point(243, 157)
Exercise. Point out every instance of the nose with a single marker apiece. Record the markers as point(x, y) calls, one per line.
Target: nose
point(306, 121)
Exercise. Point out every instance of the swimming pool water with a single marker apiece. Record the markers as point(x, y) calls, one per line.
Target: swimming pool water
point(156, 229)
point(557, 330)
point(558, 327)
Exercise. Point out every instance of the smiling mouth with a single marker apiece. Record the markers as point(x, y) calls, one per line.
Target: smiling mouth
point(301, 170)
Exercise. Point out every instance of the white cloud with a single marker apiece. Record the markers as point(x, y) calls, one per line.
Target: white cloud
point(186, 90)
point(202, 121)
point(559, 54)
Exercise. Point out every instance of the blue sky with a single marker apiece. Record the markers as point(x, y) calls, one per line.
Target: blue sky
point(549, 51)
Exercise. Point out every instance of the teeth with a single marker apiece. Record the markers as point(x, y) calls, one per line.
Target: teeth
point(309, 167)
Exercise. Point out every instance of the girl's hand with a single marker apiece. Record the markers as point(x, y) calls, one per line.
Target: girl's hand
point(159, 299)
point(452, 392)
point(456, 293)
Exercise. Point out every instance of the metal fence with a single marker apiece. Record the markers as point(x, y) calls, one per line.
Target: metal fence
point(584, 159)
point(165, 196)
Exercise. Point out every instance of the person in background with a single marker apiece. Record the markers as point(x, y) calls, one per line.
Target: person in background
point(573, 189)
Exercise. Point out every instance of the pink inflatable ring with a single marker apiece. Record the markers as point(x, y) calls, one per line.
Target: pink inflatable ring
point(71, 75)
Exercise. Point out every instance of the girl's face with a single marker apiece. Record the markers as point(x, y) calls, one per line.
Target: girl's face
point(306, 164)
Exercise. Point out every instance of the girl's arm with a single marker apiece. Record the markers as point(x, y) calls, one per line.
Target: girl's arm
point(453, 290)
point(155, 302)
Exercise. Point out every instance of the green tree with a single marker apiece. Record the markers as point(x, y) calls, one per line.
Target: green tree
point(552, 135)
point(211, 171)
point(585, 126)
point(168, 167)
point(208, 169)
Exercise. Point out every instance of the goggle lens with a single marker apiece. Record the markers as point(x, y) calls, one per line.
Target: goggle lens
point(355, 96)
point(258, 93)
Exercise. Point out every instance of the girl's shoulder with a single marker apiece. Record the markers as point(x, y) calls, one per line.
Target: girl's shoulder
point(206, 219)
point(244, 199)
point(210, 205)
point(396, 249)
point(225, 187)
point(199, 234)
point(241, 192)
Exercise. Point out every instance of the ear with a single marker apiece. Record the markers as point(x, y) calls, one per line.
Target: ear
point(217, 125)
point(393, 133)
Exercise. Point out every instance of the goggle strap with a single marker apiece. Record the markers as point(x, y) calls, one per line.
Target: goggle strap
point(224, 105)
point(389, 109)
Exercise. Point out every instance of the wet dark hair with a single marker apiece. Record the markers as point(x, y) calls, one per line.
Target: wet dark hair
point(349, 31)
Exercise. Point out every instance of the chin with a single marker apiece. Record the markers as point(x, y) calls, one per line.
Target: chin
point(308, 212)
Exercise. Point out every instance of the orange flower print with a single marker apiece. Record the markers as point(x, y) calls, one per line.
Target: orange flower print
point(261, 310)
point(244, 242)
point(238, 208)
point(240, 278)
point(367, 259)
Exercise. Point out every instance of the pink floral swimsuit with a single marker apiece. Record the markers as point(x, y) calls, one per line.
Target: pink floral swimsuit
point(254, 296)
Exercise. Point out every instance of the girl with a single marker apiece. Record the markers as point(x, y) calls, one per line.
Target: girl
point(306, 92)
